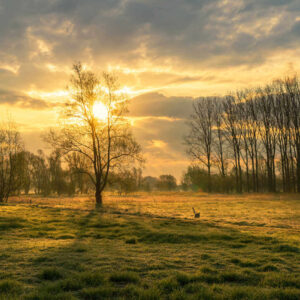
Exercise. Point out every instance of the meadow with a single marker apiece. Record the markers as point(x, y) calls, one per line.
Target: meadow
point(150, 246)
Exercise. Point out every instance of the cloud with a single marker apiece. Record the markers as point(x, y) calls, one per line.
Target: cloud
point(158, 105)
point(24, 101)
point(189, 32)
point(174, 35)
point(157, 144)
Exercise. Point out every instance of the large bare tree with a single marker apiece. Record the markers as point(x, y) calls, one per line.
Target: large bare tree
point(95, 127)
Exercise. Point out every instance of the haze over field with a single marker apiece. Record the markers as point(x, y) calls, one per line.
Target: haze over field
point(165, 54)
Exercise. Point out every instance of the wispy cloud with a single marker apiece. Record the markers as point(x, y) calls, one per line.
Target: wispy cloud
point(24, 101)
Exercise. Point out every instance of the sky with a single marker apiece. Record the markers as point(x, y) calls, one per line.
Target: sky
point(166, 54)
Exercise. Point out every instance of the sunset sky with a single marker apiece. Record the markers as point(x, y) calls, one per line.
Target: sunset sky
point(165, 53)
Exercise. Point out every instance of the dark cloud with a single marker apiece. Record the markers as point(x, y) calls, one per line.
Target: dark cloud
point(158, 105)
point(24, 101)
point(190, 32)
point(185, 79)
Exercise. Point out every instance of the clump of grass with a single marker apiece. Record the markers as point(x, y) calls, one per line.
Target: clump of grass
point(268, 268)
point(246, 241)
point(80, 249)
point(91, 279)
point(98, 236)
point(171, 238)
point(287, 248)
point(193, 287)
point(93, 293)
point(4, 256)
point(129, 292)
point(235, 261)
point(9, 286)
point(71, 284)
point(168, 285)
point(183, 278)
point(124, 277)
point(66, 237)
point(237, 246)
point(52, 273)
point(44, 295)
point(41, 259)
point(7, 223)
point(4, 275)
point(241, 278)
point(238, 293)
point(247, 264)
point(178, 295)
point(149, 294)
point(208, 278)
point(208, 270)
point(281, 280)
point(131, 241)
point(284, 294)
point(205, 256)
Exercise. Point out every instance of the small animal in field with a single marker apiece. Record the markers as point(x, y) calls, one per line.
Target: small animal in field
point(197, 215)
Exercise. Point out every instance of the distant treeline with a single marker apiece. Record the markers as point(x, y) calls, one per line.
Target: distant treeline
point(247, 141)
point(23, 172)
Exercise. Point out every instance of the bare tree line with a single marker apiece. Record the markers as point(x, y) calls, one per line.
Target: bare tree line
point(252, 135)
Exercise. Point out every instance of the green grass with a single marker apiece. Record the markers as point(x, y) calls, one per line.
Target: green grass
point(51, 274)
point(55, 249)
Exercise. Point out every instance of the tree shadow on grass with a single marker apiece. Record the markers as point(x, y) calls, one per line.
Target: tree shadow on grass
point(98, 261)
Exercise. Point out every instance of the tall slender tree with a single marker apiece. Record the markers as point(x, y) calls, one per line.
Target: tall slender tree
point(200, 138)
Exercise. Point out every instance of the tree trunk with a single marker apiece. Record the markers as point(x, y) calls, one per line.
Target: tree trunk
point(257, 186)
point(298, 169)
point(98, 196)
point(209, 178)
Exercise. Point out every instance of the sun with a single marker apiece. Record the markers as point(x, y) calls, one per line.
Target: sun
point(100, 111)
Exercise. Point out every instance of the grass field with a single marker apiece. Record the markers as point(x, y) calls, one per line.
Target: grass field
point(149, 246)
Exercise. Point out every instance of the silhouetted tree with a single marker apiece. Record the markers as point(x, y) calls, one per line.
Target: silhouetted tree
point(166, 183)
point(106, 142)
point(200, 138)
